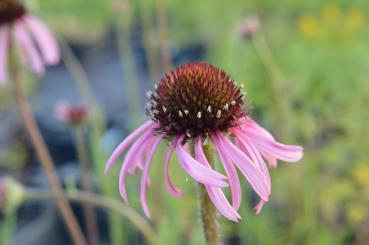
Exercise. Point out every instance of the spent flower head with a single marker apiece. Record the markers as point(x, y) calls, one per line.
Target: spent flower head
point(71, 114)
point(198, 103)
point(36, 45)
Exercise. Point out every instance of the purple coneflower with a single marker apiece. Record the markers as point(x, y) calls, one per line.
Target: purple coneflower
point(198, 103)
point(29, 34)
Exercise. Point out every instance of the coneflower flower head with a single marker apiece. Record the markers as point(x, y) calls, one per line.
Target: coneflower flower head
point(196, 99)
point(200, 103)
point(26, 31)
point(10, 11)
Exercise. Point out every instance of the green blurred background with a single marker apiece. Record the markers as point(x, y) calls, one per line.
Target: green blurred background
point(306, 74)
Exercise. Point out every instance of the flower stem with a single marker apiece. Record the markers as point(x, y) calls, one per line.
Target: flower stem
point(108, 203)
point(42, 152)
point(275, 84)
point(207, 208)
point(87, 185)
point(163, 36)
point(130, 78)
point(150, 47)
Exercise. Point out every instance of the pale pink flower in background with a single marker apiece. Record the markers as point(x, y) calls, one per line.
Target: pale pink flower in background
point(249, 26)
point(71, 114)
point(36, 45)
point(200, 103)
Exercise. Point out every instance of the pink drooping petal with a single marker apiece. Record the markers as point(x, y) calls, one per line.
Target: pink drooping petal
point(250, 123)
point(197, 171)
point(136, 154)
point(125, 143)
point(250, 150)
point(288, 153)
point(4, 45)
point(259, 206)
point(216, 194)
point(234, 181)
point(171, 188)
point(143, 141)
point(255, 155)
point(248, 168)
point(28, 49)
point(145, 175)
point(46, 42)
point(273, 162)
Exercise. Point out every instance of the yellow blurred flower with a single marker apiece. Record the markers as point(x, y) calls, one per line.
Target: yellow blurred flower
point(354, 21)
point(361, 174)
point(309, 26)
point(331, 23)
point(357, 213)
point(331, 13)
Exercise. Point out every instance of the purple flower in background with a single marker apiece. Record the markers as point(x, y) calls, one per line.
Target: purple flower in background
point(37, 46)
point(71, 114)
point(197, 103)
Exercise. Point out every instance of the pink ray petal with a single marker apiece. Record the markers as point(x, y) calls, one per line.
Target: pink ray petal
point(289, 153)
point(256, 157)
point(250, 150)
point(259, 206)
point(28, 49)
point(171, 188)
point(145, 175)
point(46, 42)
point(4, 45)
point(249, 169)
point(136, 154)
point(271, 160)
point(145, 139)
point(125, 143)
point(197, 171)
point(234, 181)
point(250, 123)
point(216, 194)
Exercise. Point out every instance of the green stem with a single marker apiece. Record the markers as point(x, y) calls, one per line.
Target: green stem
point(34, 195)
point(163, 36)
point(87, 185)
point(150, 47)
point(79, 75)
point(7, 227)
point(275, 81)
point(207, 208)
point(131, 84)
